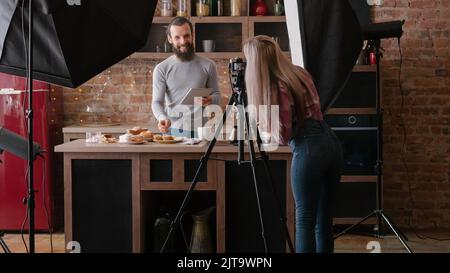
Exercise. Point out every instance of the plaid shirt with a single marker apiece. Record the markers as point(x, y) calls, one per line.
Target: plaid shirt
point(287, 108)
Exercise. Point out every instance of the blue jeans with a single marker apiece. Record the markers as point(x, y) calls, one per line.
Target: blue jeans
point(315, 173)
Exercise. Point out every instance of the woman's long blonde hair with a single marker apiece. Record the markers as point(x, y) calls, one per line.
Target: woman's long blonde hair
point(267, 66)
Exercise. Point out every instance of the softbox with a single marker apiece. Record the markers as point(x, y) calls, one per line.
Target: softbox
point(328, 37)
point(73, 40)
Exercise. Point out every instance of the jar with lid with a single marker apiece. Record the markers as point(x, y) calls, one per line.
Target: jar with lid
point(182, 8)
point(235, 6)
point(202, 8)
point(166, 8)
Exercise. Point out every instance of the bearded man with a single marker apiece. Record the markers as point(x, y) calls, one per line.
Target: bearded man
point(176, 75)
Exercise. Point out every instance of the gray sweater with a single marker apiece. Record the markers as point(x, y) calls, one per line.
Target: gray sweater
point(173, 78)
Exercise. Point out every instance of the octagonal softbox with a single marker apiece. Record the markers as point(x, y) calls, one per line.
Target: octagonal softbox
point(74, 40)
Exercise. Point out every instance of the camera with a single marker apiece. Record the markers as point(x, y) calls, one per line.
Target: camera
point(237, 74)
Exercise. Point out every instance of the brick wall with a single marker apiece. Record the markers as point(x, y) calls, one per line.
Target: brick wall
point(417, 167)
point(124, 92)
point(422, 159)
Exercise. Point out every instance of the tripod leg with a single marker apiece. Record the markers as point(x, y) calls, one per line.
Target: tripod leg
point(255, 183)
point(397, 233)
point(381, 213)
point(265, 160)
point(3, 245)
point(203, 162)
point(251, 148)
point(355, 225)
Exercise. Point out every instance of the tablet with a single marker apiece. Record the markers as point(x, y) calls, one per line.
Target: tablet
point(188, 99)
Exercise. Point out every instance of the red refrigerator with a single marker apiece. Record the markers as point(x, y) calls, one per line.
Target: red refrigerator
point(13, 184)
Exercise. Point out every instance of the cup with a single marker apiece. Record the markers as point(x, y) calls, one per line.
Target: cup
point(205, 133)
point(265, 137)
point(208, 45)
point(278, 9)
point(93, 137)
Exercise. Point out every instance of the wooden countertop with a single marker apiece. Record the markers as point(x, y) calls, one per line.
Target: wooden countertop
point(119, 129)
point(80, 146)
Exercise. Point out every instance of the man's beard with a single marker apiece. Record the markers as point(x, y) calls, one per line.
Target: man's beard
point(185, 56)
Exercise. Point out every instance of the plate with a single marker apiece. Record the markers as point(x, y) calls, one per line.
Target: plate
point(176, 140)
point(132, 143)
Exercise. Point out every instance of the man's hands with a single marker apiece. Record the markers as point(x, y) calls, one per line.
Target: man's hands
point(164, 125)
point(205, 101)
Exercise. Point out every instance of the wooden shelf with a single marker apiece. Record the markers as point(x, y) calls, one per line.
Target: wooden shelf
point(359, 178)
point(268, 19)
point(365, 68)
point(246, 30)
point(219, 19)
point(351, 111)
point(162, 20)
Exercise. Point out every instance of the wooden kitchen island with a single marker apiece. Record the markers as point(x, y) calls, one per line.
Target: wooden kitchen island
point(115, 192)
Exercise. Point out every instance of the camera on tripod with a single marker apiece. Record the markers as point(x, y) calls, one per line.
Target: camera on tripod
point(237, 74)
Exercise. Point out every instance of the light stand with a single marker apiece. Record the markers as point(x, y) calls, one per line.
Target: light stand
point(238, 98)
point(379, 212)
point(2, 242)
point(29, 116)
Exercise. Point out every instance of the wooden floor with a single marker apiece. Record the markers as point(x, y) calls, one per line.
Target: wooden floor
point(345, 244)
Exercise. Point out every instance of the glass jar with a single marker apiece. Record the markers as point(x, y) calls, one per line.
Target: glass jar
point(182, 8)
point(235, 7)
point(166, 8)
point(202, 8)
point(219, 8)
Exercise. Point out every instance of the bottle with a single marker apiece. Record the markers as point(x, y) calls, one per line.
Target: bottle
point(260, 8)
point(219, 8)
point(167, 46)
point(166, 8)
point(182, 8)
point(202, 8)
point(235, 6)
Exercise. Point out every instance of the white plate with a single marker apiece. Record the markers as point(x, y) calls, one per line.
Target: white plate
point(176, 140)
point(132, 143)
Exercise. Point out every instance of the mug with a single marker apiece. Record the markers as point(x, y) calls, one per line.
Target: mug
point(208, 45)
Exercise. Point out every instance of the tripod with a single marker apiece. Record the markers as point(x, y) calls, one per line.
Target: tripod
point(379, 212)
point(238, 98)
point(3, 244)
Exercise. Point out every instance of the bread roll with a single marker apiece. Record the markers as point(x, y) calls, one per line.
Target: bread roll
point(147, 134)
point(137, 139)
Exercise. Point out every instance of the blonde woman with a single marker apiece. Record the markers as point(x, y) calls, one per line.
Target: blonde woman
point(271, 79)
